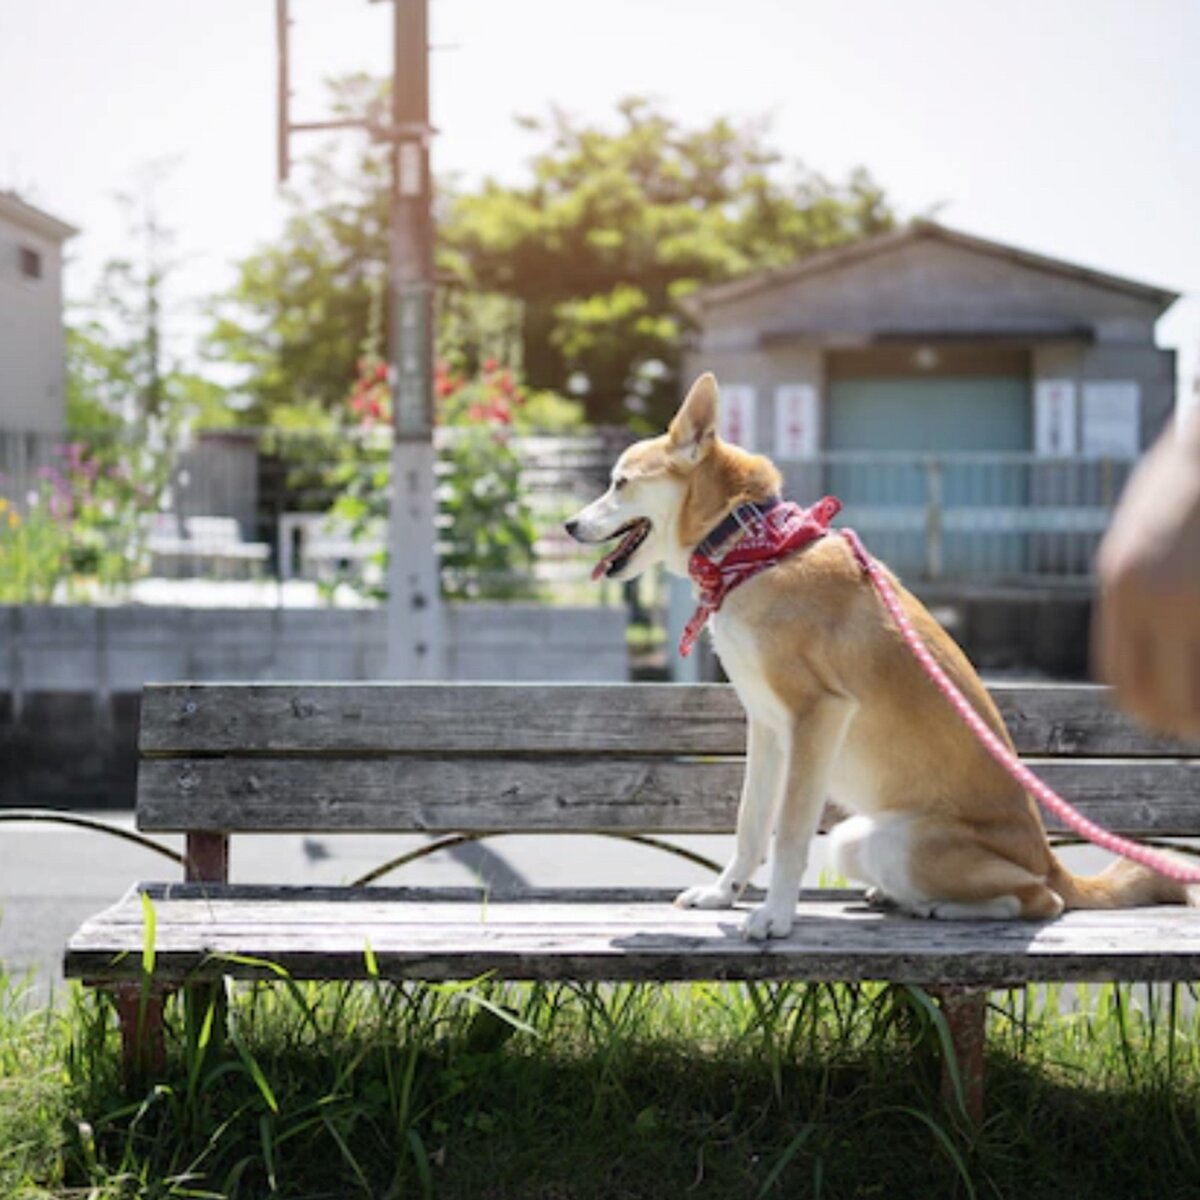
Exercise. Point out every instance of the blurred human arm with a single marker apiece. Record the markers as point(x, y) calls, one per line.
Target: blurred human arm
point(1147, 632)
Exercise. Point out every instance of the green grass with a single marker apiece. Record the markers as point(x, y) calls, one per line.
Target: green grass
point(578, 1092)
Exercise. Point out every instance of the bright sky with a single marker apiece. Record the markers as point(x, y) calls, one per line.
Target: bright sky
point(1069, 127)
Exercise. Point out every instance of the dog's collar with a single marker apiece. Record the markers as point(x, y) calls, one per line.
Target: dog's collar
point(769, 532)
point(740, 519)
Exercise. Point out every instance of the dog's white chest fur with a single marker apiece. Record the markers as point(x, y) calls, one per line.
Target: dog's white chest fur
point(738, 649)
point(854, 782)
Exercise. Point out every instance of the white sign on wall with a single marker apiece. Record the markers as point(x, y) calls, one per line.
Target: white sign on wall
point(737, 414)
point(1111, 420)
point(1054, 411)
point(795, 421)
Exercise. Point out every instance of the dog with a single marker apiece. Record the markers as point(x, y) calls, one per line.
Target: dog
point(837, 706)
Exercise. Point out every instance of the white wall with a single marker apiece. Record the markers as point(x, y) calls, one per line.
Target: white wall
point(32, 341)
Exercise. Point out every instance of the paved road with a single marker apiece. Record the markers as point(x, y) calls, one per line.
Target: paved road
point(52, 877)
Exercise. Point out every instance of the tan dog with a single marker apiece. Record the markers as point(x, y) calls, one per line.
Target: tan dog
point(838, 707)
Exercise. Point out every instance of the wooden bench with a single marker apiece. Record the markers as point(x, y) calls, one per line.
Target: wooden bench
point(616, 759)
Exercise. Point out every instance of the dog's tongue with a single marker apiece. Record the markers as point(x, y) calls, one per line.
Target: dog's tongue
point(601, 568)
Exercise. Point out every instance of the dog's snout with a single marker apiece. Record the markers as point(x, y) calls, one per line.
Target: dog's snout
point(572, 526)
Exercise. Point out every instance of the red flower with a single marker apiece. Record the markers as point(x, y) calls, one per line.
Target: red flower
point(490, 365)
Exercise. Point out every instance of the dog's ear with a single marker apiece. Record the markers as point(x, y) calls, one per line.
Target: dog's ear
point(694, 429)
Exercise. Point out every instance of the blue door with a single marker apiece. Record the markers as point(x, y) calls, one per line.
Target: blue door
point(913, 418)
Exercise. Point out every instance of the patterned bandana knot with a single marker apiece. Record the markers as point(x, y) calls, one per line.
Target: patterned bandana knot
point(761, 539)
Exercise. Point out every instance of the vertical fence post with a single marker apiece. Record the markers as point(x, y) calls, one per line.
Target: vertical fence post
point(933, 518)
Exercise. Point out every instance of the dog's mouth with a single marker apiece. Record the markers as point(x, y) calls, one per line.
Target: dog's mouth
point(632, 536)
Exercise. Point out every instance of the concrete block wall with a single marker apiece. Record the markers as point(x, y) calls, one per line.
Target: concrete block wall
point(71, 677)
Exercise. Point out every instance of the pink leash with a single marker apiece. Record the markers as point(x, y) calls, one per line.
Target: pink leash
point(1045, 795)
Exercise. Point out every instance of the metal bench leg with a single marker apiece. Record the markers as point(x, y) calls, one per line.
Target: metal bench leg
point(206, 857)
point(965, 1010)
point(206, 860)
point(140, 1020)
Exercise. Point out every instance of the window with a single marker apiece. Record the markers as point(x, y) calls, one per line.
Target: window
point(31, 263)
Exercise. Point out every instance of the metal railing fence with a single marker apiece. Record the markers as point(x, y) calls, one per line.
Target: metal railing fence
point(972, 517)
point(285, 507)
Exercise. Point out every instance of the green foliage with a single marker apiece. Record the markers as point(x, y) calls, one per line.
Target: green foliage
point(488, 548)
point(296, 318)
point(486, 543)
point(575, 276)
point(594, 1090)
point(549, 412)
point(33, 553)
point(120, 372)
point(617, 225)
point(84, 526)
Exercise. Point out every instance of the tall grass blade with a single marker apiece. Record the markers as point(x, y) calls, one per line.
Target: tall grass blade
point(421, 1161)
point(268, 1150)
point(780, 1165)
point(504, 1014)
point(149, 937)
point(946, 1143)
point(255, 1071)
point(347, 1154)
point(197, 1056)
point(937, 1020)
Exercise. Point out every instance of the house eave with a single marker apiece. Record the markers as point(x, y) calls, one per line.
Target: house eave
point(34, 220)
point(698, 303)
point(833, 339)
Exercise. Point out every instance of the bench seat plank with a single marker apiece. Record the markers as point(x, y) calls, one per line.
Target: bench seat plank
point(555, 718)
point(441, 795)
point(322, 933)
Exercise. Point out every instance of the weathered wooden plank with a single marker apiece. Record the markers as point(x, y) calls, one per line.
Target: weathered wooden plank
point(325, 923)
point(1077, 720)
point(436, 795)
point(441, 718)
point(571, 794)
point(298, 907)
point(562, 719)
point(834, 939)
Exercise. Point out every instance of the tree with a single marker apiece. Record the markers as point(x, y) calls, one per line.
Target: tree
point(616, 226)
point(581, 268)
point(120, 373)
point(300, 311)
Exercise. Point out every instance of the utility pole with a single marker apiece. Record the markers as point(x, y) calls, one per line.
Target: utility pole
point(414, 594)
point(414, 611)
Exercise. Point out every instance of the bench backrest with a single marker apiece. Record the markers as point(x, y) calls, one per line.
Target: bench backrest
point(446, 758)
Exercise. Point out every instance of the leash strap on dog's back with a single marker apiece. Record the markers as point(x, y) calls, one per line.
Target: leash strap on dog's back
point(1043, 793)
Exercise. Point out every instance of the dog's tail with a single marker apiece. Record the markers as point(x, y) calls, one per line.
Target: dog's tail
point(1123, 884)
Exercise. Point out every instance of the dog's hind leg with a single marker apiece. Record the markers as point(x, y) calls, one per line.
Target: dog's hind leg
point(761, 792)
point(929, 867)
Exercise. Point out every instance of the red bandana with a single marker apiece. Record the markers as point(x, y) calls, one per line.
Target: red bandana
point(762, 540)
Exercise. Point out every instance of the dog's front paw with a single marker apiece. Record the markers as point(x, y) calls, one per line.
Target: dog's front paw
point(708, 895)
point(768, 922)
